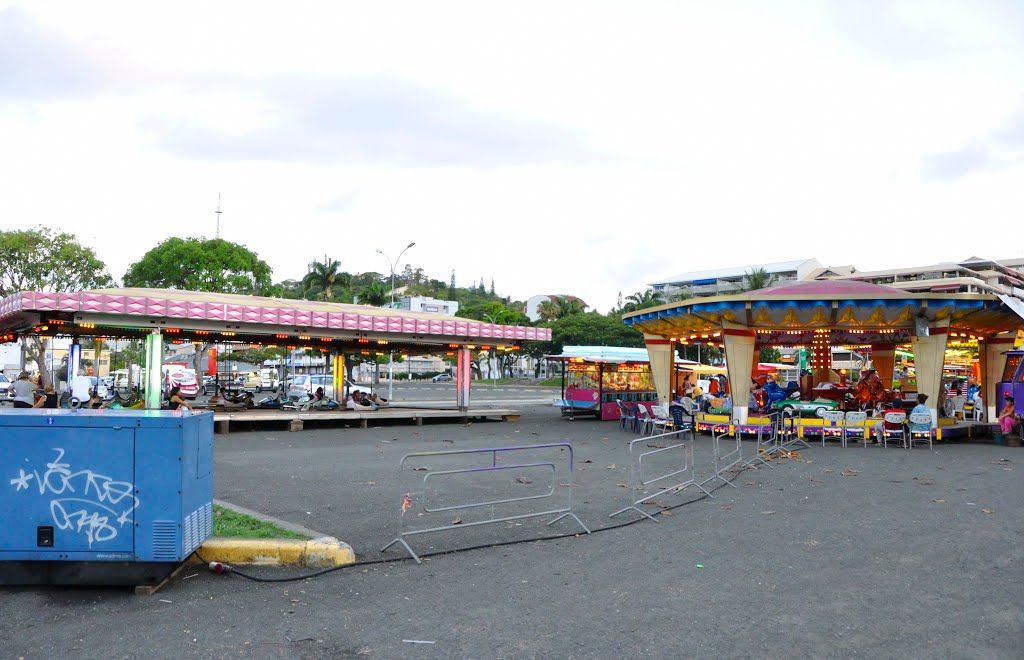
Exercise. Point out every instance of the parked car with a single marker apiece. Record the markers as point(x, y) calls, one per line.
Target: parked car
point(306, 384)
point(442, 378)
point(5, 385)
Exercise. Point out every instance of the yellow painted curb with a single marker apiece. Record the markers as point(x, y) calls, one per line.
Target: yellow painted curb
point(324, 552)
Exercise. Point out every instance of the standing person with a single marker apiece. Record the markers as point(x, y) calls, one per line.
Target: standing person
point(175, 400)
point(1007, 415)
point(24, 391)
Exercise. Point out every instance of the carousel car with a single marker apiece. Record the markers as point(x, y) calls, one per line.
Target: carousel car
point(817, 407)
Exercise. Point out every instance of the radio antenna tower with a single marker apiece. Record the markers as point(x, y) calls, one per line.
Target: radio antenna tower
point(218, 215)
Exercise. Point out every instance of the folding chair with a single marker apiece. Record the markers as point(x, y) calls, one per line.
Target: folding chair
point(853, 427)
point(833, 426)
point(896, 418)
point(918, 423)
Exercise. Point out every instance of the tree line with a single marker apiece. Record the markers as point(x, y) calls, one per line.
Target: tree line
point(44, 259)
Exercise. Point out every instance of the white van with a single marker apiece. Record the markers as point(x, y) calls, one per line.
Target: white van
point(306, 384)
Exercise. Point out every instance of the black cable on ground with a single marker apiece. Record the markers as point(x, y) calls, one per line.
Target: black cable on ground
point(224, 568)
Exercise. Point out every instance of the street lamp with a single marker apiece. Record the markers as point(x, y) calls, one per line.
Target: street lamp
point(391, 355)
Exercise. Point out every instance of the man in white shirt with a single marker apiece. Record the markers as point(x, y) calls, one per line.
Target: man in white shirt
point(81, 388)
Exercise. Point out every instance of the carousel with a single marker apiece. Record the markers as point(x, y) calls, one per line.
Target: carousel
point(818, 315)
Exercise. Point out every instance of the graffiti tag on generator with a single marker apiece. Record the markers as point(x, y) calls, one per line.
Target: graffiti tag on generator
point(85, 502)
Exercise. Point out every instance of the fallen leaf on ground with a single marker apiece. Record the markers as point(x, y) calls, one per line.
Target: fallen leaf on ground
point(939, 501)
point(850, 472)
point(534, 433)
point(666, 512)
point(828, 470)
point(750, 483)
point(586, 460)
point(610, 466)
point(725, 507)
point(810, 543)
point(656, 446)
point(988, 510)
point(457, 521)
point(421, 468)
point(524, 480)
point(622, 485)
point(767, 513)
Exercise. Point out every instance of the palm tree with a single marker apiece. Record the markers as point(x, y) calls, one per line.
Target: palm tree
point(569, 305)
point(757, 278)
point(644, 299)
point(322, 277)
point(375, 293)
point(547, 310)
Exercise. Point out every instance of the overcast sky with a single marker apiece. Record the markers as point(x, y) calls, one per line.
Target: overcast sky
point(556, 147)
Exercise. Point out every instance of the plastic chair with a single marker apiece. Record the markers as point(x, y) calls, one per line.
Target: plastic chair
point(854, 427)
point(918, 422)
point(661, 419)
point(682, 419)
point(833, 427)
point(901, 433)
point(626, 416)
point(643, 419)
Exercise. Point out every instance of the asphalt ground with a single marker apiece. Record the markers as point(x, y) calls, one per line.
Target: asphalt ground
point(842, 552)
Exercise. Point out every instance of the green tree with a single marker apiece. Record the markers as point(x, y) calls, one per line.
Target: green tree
point(375, 293)
point(42, 259)
point(758, 278)
point(197, 264)
point(559, 307)
point(643, 300)
point(592, 329)
point(769, 354)
point(322, 278)
point(494, 311)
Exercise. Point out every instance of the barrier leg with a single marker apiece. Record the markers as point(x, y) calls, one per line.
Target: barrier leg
point(404, 545)
point(572, 515)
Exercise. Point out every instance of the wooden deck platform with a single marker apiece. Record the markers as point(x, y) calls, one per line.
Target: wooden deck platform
point(296, 421)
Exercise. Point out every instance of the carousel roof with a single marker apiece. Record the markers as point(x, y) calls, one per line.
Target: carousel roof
point(855, 312)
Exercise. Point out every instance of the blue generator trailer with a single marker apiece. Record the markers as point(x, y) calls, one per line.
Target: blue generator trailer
point(112, 497)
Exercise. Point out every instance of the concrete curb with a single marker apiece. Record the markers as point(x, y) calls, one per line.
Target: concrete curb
point(323, 552)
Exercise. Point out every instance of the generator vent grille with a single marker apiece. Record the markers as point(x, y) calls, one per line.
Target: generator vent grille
point(198, 528)
point(165, 540)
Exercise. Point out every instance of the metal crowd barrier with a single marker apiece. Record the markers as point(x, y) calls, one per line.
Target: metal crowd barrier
point(765, 445)
point(789, 431)
point(681, 474)
point(728, 460)
point(423, 500)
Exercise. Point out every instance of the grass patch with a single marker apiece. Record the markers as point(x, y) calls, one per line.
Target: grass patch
point(231, 524)
point(552, 382)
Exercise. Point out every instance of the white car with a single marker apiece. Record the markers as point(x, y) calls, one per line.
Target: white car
point(5, 385)
point(442, 378)
point(306, 384)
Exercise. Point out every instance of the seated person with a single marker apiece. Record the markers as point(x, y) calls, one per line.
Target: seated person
point(175, 401)
point(921, 409)
point(894, 406)
point(359, 401)
point(49, 399)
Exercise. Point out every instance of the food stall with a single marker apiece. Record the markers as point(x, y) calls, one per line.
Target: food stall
point(595, 377)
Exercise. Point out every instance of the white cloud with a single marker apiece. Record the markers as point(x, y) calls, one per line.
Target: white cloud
point(575, 147)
